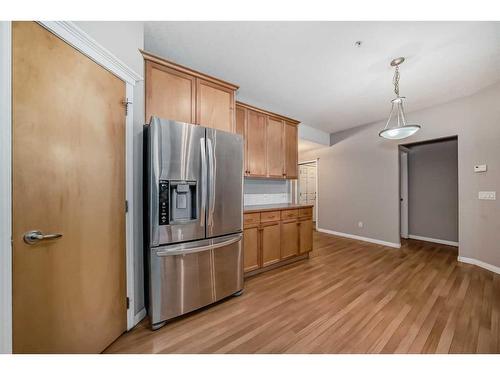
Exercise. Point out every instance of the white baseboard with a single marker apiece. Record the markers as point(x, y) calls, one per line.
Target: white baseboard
point(435, 240)
point(479, 263)
point(139, 316)
point(360, 238)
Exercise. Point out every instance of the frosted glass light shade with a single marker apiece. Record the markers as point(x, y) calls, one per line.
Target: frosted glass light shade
point(396, 126)
point(399, 132)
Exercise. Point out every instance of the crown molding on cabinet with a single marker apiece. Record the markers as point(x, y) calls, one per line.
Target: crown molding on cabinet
point(162, 61)
point(289, 120)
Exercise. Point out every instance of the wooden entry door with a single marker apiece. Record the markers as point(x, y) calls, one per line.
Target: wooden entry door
point(69, 294)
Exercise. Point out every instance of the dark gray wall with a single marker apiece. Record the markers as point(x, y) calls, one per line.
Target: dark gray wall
point(433, 190)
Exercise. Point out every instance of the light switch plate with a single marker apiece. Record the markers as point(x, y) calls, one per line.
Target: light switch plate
point(480, 168)
point(488, 195)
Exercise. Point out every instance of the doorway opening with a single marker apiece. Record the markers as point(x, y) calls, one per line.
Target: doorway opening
point(428, 173)
point(307, 185)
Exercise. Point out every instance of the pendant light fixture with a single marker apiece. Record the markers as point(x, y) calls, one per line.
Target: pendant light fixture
point(399, 129)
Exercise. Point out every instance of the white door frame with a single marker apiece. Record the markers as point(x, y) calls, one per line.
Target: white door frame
point(316, 162)
point(403, 193)
point(81, 41)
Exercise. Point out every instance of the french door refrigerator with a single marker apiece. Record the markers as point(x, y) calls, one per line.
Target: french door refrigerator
point(193, 214)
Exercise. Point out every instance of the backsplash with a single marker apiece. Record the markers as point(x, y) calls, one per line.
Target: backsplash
point(258, 199)
point(260, 191)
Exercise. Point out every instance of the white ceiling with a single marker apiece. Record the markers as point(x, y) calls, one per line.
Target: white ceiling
point(312, 71)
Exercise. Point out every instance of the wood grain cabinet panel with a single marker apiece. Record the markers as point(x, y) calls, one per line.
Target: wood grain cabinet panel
point(241, 129)
point(251, 249)
point(170, 94)
point(305, 236)
point(275, 238)
point(289, 238)
point(270, 216)
point(215, 106)
point(275, 150)
point(175, 92)
point(291, 151)
point(251, 219)
point(271, 146)
point(305, 212)
point(271, 240)
point(289, 214)
point(256, 144)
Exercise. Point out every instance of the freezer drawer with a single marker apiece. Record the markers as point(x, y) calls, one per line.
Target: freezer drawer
point(188, 276)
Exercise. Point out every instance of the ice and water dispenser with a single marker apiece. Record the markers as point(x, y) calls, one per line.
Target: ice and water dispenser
point(177, 201)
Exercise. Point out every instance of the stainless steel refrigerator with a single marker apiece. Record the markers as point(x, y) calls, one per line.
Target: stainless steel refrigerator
point(193, 217)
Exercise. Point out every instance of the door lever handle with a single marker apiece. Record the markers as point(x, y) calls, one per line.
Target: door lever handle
point(34, 236)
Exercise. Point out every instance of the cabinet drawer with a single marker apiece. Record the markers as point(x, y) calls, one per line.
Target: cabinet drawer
point(305, 212)
point(269, 216)
point(251, 219)
point(289, 214)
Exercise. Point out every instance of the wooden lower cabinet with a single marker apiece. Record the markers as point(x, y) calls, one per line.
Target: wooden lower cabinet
point(289, 239)
point(251, 247)
point(305, 235)
point(271, 238)
point(271, 243)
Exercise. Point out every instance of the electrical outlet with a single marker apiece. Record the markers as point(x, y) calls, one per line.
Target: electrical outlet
point(360, 224)
point(480, 168)
point(487, 195)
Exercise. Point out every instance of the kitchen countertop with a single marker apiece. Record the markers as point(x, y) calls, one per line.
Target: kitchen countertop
point(273, 207)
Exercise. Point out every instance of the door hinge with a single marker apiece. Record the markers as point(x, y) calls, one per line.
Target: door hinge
point(126, 103)
point(128, 303)
point(126, 206)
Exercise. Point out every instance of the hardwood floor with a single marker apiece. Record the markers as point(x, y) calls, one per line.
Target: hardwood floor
point(349, 297)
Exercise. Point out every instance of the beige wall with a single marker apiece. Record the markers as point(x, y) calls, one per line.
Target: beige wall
point(433, 190)
point(358, 175)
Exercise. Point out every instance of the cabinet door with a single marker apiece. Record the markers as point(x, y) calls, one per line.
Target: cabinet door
point(271, 238)
point(290, 239)
point(170, 94)
point(241, 129)
point(251, 249)
point(256, 144)
point(214, 106)
point(305, 235)
point(275, 153)
point(291, 150)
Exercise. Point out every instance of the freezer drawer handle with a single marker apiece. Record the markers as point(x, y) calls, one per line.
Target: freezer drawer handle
point(180, 251)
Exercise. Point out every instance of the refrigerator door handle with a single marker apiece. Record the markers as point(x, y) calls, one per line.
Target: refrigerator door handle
point(203, 182)
point(211, 178)
point(179, 250)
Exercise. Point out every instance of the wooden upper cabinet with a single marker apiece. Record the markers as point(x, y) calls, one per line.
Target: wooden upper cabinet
point(241, 129)
point(271, 148)
point(256, 144)
point(170, 94)
point(275, 155)
point(215, 106)
point(241, 121)
point(291, 150)
point(175, 92)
